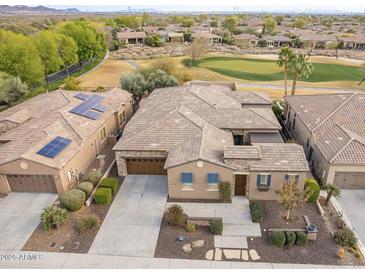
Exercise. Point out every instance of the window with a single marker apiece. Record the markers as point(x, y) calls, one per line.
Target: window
point(291, 178)
point(213, 178)
point(307, 141)
point(187, 178)
point(121, 117)
point(295, 116)
point(263, 182)
point(102, 134)
point(238, 140)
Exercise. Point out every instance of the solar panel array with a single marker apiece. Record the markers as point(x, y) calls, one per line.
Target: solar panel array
point(54, 147)
point(91, 103)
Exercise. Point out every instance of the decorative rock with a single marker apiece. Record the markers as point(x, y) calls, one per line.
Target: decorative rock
point(209, 255)
point(245, 255)
point(232, 253)
point(187, 248)
point(197, 244)
point(218, 254)
point(254, 255)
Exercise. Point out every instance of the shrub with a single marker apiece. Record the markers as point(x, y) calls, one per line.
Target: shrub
point(256, 212)
point(111, 183)
point(225, 191)
point(53, 216)
point(174, 215)
point(87, 223)
point(345, 237)
point(190, 227)
point(216, 226)
point(312, 187)
point(86, 187)
point(302, 238)
point(94, 177)
point(73, 199)
point(290, 237)
point(72, 83)
point(103, 196)
point(277, 238)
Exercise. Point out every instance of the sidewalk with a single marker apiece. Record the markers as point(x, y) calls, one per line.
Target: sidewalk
point(23, 259)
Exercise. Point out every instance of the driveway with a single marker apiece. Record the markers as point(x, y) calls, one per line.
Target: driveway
point(19, 217)
point(132, 225)
point(352, 202)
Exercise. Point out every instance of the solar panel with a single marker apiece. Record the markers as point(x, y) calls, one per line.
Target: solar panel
point(54, 147)
point(85, 108)
point(100, 108)
point(81, 96)
point(92, 115)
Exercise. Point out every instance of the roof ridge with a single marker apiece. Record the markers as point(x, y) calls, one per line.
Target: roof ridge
point(69, 125)
point(263, 117)
point(352, 134)
point(341, 150)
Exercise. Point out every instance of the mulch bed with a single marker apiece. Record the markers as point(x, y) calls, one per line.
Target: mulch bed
point(66, 239)
point(322, 251)
point(169, 247)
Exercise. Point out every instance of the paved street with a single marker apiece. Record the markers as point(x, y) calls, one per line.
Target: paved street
point(19, 216)
point(132, 225)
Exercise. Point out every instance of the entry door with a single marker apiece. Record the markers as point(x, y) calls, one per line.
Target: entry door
point(240, 185)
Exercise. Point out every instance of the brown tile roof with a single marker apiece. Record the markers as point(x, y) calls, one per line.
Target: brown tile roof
point(131, 34)
point(360, 39)
point(203, 34)
point(246, 36)
point(242, 152)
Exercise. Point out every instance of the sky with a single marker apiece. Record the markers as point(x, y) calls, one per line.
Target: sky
point(240, 5)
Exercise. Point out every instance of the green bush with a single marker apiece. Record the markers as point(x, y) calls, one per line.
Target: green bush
point(312, 186)
point(345, 237)
point(256, 212)
point(277, 238)
point(190, 227)
point(225, 191)
point(175, 215)
point(73, 199)
point(103, 196)
point(291, 237)
point(53, 216)
point(87, 223)
point(86, 187)
point(111, 183)
point(94, 177)
point(302, 238)
point(216, 226)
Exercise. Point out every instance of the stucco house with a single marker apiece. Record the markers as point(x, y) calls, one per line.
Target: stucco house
point(131, 37)
point(246, 38)
point(213, 38)
point(330, 127)
point(48, 141)
point(277, 41)
point(354, 42)
point(204, 133)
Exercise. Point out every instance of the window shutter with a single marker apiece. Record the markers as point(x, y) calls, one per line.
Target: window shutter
point(258, 180)
point(268, 180)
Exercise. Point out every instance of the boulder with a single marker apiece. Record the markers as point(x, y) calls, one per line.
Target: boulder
point(245, 255)
point(187, 248)
point(209, 255)
point(254, 255)
point(197, 244)
point(218, 254)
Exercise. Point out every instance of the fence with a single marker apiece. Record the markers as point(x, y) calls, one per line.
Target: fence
point(63, 73)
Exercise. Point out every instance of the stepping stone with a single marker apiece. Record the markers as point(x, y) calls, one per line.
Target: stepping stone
point(187, 248)
point(232, 254)
point(230, 242)
point(254, 255)
point(209, 255)
point(218, 254)
point(197, 244)
point(245, 255)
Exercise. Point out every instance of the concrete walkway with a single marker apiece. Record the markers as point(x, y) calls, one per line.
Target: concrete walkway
point(132, 225)
point(29, 259)
point(19, 217)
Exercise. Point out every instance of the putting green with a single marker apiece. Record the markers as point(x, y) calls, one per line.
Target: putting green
point(267, 70)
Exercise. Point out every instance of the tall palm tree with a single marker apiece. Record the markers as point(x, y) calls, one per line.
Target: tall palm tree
point(284, 58)
point(332, 191)
point(299, 66)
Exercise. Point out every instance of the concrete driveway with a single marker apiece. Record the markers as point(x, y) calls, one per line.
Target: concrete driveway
point(132, 225)
point(19, 217)
point(352, 202)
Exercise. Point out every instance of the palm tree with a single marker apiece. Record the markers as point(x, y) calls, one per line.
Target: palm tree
point(284, 58)
point(332, 191)
point(299, 66)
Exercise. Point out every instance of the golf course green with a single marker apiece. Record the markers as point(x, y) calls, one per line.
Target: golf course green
point(267, 70)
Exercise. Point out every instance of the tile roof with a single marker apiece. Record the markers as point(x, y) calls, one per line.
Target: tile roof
point(242, 152)
point(246, 36)
point(131, 34)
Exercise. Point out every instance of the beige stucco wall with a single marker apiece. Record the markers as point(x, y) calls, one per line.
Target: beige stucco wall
point(333, 169)
point(200, 189)
point(4, 186)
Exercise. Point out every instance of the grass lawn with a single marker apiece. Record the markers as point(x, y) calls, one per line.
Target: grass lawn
point(267, 70)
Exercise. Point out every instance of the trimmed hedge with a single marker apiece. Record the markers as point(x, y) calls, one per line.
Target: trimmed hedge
point(216, 226)
point(103, 196)
point(111, 183)
point(277, 238)
point(291, 237)
point(315, 189)
point(73, 199)
point(94, 177)
point(225, 191)
point(86, 187)
point(256, 212)
point(302, 238)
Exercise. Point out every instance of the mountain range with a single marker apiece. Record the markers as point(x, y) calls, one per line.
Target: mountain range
point(38, 9)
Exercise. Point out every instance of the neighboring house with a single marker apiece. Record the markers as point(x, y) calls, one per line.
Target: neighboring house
point(248, 39)
point(277, 41)
point(331, 130)
point(172, 37)
point(131, 37)
point(204, 133)
point(315, 40)
point(151, 30)
point(354, 42)
point(48, 141)
point(213, 38)
point(202, 28)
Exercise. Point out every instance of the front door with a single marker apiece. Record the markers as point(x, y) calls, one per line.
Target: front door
point(240, 185)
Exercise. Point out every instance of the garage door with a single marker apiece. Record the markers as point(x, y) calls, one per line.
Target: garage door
point(350, 180)
point(146, 166)
point(31, 183)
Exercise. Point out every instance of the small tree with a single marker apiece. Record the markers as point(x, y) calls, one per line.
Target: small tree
point(11, 89)
point(290, 197)
point(134, 84)
point(197, 48)
point(299, 66)
point(160, 79)
point(332, 191)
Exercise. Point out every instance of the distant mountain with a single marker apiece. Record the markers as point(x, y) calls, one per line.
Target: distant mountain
point(39, 9)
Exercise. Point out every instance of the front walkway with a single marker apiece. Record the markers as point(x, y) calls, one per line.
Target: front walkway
point(132, 225)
